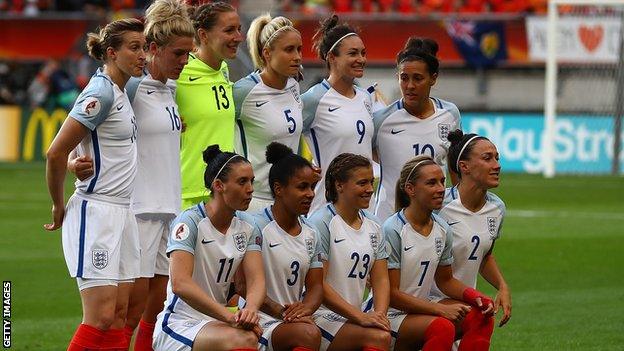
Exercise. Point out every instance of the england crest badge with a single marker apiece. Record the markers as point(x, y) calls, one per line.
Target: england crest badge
point(309, 242)
point(443, 130)
point(439, 246)
point(240, 241)
point(492, 227)
point(99, 258)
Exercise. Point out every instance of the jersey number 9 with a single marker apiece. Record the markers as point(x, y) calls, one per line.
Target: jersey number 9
point(361, 129)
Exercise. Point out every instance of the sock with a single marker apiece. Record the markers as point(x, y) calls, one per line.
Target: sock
point(115, 340)
point(301, 348)
point(370, 348)
point(85, 338)
point(244, 349)
point(143, 340)
point(128, 332)
point(439, 335)
point(477, 330)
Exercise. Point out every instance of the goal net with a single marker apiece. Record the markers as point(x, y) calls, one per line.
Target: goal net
point(584, 97)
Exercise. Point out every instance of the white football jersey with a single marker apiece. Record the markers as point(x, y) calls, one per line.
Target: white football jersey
point(106, 111)
point(157, 186)
point(474, 233)
point(351, 253)
point(400, 136)
point(216, 256)
point(417, 256)
point(287, 259)
point(333, 124)
point(264, 115)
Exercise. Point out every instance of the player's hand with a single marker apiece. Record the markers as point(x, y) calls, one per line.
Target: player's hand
point(81, 166)
point(306, 319)
point(295, 310)
point(58, 213)
point(375, 320)
point(503, 300)
point(247, 318)
point(485, 304)
point(454, 313)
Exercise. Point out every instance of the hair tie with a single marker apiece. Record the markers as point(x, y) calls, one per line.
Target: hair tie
point(338, 41)
point(462, 151)
point(274, 35)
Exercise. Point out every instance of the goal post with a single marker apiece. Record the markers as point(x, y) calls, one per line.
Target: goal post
point(594, 83)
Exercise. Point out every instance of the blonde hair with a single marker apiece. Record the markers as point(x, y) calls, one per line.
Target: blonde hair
point(263, 31)
point(409, 174)
point(165, 19)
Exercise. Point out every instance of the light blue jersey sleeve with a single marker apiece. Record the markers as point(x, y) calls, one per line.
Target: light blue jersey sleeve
point(183, 233)
point(380, 116)
point(311, 99)
point(447, 254)
point(94, 103)
point(320, 220)
point(392, 228)
point(316, 260)
point(501, 206)
point(241, 90)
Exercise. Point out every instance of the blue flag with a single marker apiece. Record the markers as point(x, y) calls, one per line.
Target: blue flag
point(481, 43)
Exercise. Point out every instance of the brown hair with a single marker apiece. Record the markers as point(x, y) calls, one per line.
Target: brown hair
point(111, 36)
point(409, 174)
point(339, 170)
point(205, 16)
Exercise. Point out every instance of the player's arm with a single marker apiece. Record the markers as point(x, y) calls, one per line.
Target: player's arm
point(68, 137)
point(491, 272)
point(459, 291)
point(255, 288)
point(183, 285)
point(311, 301)
point(381, 286)
point(409, 303)
point(268, 306)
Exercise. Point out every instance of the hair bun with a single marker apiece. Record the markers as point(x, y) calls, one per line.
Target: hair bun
point(427, 45)
point(455, 136)
point(211, 153)
point(276, 151)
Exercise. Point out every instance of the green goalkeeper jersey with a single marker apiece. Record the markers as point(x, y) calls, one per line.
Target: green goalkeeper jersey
point(204, 98)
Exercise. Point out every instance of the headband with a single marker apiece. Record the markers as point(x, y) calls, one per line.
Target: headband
point(413, 168)
point(275, 34)
point(462, 151)
point(339, 40)
point(226, 162)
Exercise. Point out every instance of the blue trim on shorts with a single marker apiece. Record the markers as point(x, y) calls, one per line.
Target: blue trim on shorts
point(317, 150)
point(326, 335)
point(263, 341)
point(81, 245)
point(369, 305)
point(168, 330)
point(97, 161)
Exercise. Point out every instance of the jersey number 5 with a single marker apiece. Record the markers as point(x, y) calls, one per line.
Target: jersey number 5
point(289, 119)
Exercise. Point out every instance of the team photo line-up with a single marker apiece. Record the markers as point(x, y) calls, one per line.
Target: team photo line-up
point(196, 225)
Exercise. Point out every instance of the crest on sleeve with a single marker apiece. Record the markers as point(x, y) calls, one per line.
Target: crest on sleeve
point(99, 258)
point(259, 240)
point(439, 246)
point(295, 94)
point(309, 242)
point(491, 224)
point(180, 232)
point(240, 241)
point(374, 240)
point(443, 130)
point(91, 106)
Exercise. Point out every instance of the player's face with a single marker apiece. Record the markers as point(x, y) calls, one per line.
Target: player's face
point(225, 37)
point(238, 187)
point(284, 56)
point(297, 196)
point(351, 57)
point(415, 82)
point(130, 56)
point(358, 189)
point(483, 165)
point(172, 57)
point(428, 189)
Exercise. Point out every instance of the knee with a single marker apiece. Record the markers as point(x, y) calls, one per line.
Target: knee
point(243, 339)
point(378, 337)
point(105, 320)
point(308, 335)
point(441, 327)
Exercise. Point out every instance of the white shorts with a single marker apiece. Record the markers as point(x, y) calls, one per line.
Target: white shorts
point(153, 234)
point(396, 319)
point(176, 333)
point(258, 204)
point(268, 325)
point(329, 323)
point(100, 240)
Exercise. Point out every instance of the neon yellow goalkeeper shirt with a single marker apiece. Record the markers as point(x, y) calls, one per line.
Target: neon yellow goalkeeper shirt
point(204, 98)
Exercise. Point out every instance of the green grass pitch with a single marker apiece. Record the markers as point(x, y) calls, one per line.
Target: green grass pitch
point(562, 252)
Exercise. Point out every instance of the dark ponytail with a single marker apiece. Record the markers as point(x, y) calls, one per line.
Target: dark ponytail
point(216, 167)
point(458, 139)
point(328, 33)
